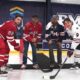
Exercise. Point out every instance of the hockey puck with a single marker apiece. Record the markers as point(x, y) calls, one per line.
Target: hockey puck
point(48, 77)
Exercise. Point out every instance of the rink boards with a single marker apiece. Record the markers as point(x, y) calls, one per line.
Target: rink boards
point(15, 57)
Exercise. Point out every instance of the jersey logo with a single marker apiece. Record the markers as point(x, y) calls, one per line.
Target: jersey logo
point(10, 33)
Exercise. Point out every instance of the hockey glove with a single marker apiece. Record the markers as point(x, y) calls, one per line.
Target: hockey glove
point(17, 47)
point(70, 53)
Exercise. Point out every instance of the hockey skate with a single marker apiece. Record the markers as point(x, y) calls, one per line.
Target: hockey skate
point(75, 66)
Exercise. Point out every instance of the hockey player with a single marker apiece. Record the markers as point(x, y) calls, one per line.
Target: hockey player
point(7, 31)
point(32, 35)
point(54, 34)
point(75, 45)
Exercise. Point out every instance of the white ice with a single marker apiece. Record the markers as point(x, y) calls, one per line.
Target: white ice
point(65, 74)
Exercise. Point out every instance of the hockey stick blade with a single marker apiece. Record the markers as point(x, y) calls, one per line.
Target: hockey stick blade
point(54, 76)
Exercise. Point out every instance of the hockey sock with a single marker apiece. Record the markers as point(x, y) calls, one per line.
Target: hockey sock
point(6, 59)
point(1, 60)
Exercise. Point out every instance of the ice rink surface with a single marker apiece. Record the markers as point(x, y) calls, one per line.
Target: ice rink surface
point(65, 74)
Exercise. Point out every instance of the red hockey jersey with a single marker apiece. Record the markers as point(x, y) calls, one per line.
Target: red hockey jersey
point(7, 31)
point(32, 31)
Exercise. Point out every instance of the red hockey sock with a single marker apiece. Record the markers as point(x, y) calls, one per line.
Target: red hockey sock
point(6, 59)
point(1, 60)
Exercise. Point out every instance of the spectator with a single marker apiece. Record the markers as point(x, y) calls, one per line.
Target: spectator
point(32, 35)
point(54, 34)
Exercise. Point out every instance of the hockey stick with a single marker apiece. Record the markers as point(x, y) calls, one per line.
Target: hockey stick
point(53, 76)
point(43, 70)
point(39, 56)
point(42, 60)
point(40, 64)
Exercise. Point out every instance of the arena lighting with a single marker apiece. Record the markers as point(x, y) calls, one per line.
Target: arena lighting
point(31, 0)
point(66, 1)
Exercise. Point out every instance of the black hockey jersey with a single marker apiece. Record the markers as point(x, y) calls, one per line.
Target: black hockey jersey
point(54, 32)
